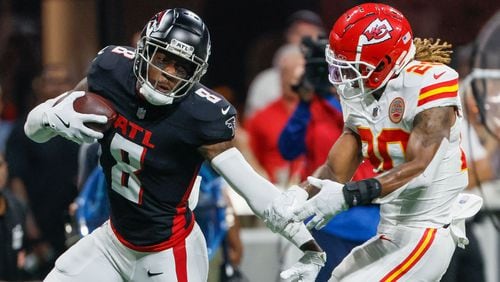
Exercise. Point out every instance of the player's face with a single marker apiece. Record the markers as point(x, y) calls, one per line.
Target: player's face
point(167, 70)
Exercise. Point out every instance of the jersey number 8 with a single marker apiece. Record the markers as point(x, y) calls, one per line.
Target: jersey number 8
point(124, 174)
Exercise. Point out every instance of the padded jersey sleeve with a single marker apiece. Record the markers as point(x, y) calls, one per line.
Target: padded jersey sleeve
point(439, 88)
point(215, 116)
point(111, 70)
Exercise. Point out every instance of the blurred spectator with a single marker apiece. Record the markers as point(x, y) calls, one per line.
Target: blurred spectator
point(19, 64)
point(5, 125)
point(311, 131)
point(44, 175)
point(12, 230)
point(265, 126)
point(266, 87)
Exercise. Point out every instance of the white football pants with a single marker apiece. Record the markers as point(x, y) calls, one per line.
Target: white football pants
point(101, 257)
point(399, 253)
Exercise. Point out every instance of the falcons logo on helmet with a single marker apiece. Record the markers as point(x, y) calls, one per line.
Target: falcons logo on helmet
point(378, 31)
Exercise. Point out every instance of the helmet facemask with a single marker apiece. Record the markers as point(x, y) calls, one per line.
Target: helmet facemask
point(179, 52)
point(362, 78)
point(347, 76)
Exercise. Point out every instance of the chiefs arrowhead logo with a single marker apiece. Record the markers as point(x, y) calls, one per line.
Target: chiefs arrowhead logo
point(378, 31)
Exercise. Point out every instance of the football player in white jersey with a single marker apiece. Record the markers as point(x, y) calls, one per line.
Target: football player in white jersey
point(402, 113)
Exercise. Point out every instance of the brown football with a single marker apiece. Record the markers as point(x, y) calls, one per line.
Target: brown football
point(92, 103)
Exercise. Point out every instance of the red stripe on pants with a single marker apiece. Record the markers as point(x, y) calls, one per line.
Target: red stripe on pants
point(180, 258)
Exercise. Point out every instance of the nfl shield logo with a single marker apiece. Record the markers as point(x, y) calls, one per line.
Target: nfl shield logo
point(141, 113)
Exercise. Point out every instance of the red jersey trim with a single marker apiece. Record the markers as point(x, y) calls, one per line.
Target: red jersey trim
point(463, 159)
point(438, 85)
point(436, 97)
point(179, 220)
point(173, 241)
point(447, 89)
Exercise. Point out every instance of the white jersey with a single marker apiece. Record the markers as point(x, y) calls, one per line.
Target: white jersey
point(384, 127)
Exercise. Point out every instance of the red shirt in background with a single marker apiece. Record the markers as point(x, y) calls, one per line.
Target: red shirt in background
point(264, 129)
point(325, 127)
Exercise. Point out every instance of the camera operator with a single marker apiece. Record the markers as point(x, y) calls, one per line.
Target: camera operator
point(311, 131)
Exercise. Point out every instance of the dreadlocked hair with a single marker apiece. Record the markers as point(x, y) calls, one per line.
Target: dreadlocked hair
point(430, 50)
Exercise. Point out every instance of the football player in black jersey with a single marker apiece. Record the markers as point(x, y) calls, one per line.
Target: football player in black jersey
point(167, 124)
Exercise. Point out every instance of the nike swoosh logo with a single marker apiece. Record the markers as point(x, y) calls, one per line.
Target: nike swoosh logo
point(151, 274)
point(66, 124)
point(438, 75)
point(224, 111)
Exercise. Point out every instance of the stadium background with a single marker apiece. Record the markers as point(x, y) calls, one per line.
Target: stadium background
point(244, 33)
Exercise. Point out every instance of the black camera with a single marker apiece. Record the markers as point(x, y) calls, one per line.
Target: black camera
point(316, 69)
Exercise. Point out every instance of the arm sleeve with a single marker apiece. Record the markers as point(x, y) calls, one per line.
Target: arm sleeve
point(292, 141)
point(255, 189)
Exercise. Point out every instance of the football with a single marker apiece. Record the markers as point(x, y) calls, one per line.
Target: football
point(92, 103)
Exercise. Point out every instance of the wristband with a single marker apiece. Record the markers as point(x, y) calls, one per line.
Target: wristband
point(361, 192)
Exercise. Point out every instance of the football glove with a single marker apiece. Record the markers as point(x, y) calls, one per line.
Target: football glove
point(279, 214)
point(306, 269)
point(324, 205)
point(65, 121)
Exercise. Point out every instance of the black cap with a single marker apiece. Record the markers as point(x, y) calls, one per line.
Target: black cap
point(305, 16)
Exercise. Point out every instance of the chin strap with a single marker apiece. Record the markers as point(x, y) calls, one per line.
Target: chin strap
point(153, 97)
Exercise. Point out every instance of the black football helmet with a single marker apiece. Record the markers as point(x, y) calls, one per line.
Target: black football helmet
point(181, 34)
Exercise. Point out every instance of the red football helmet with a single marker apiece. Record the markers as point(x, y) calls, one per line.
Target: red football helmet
point(369, 44)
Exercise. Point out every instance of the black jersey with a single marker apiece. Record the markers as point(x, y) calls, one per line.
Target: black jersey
point(150, 155)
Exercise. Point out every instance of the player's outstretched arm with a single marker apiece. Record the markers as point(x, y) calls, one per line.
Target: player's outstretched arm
point(57, 116)
point(259, 194)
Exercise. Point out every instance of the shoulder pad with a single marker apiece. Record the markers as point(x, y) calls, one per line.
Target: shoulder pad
point(111, 71)
point(215, 116)
point(209, 105)
point(421, 74)
point(439, 74)
point(111, 55)
point(438, 86)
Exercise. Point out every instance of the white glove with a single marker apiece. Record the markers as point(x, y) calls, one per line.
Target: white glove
point(65, 121)
point(278, 216)
point(306, 269)
point(324, 205)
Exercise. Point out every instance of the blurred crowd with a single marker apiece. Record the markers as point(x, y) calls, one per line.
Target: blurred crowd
point(288, 121)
